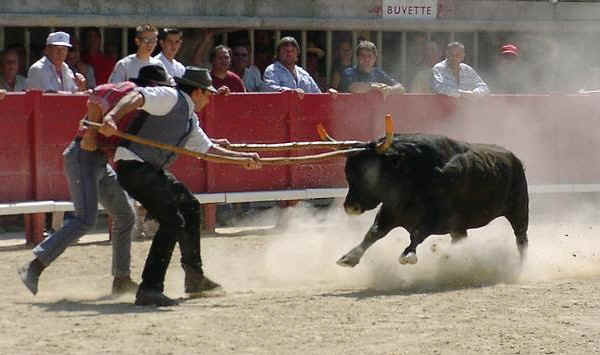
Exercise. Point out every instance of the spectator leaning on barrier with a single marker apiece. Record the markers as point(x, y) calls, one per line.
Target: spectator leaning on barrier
point(421, 83)
point(51, 73)
point(9, 79)
point(170, 40)
point(223, 79)
point(284, 74)
point(91, 180)
point(314, 55)
point(452, 77)
point(365, 76)
point(102, 63)
point(170, 119)
point(77, 65)
point(342, 62)
point(128, 67)
point(240, 65)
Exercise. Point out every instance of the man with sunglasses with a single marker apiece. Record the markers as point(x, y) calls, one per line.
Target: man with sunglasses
point(170, 119)
point(129, 67)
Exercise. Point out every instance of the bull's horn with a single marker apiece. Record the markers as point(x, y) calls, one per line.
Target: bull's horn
point(389, 134)
point(323, 133)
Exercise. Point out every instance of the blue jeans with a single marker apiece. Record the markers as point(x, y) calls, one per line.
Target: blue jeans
point(91, 180)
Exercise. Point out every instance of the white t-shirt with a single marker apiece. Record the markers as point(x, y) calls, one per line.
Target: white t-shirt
point(129, 67)
point(158, 101)
point(173, 67)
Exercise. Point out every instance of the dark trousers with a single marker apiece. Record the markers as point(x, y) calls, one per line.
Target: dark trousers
point(177, 212)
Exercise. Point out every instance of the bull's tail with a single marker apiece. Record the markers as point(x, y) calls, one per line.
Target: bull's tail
point(518, 214)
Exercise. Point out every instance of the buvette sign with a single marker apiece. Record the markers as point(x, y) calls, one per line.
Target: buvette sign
point(410, 8)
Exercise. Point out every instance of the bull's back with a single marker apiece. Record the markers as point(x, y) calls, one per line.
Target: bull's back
point(485, 182)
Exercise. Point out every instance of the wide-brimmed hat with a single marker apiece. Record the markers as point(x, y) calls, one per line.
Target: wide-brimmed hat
point(59, 39)
point(196, 77)
point(151, 75)
point(312, 48)
point(286, 40)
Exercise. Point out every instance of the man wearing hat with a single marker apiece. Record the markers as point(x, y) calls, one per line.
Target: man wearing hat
point(51, 73)
point(284, 74)
point(510, 75)
point(169, 117)
point(91, 180)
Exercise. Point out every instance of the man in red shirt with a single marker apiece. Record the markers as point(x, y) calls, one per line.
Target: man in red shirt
point(91, 180)
point(223, 79)
point(103, 64)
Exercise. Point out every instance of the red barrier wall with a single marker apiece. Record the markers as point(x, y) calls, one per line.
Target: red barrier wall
point(554, 135)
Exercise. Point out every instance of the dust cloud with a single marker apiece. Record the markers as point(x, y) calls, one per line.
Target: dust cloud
point(303, 253)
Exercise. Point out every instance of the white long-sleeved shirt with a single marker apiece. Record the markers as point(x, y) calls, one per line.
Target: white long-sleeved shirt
point(159, 100)
point(444, 82)
point(42, 75)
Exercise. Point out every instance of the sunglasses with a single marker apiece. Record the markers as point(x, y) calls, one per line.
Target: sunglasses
point(146, 40)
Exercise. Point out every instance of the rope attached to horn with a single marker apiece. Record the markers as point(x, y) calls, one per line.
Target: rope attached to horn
point(221, 159)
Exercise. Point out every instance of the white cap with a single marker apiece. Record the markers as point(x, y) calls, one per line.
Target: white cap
point(59, 39)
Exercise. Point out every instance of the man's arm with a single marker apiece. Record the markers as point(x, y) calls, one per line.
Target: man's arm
point(118, 74)
point(271, 82)
point(128, 103)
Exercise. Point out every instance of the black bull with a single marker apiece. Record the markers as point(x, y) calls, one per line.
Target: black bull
point(431, 184)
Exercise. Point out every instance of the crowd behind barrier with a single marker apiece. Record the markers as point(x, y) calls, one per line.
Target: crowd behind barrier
point(552, 134)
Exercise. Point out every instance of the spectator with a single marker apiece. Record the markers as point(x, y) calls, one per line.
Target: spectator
point(365, 77)
point(263, 50)
point(240, 65)
point(314, 55)
point(170, 40)
point(102, 63)
point(451, 77)
point(79, 66)
point(10, 80)
point(284, 74)
point(51, 73)
point(510, 77)
point(342, 62)
point(20, 49)
point(421, 83)
point(223, 79)
point(128, 67)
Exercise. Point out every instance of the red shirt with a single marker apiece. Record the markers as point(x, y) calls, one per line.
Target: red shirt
point(231, 80)
point(107, 96)
point(103, 65)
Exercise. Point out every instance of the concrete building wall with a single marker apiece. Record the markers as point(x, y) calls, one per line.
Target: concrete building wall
point(300, 14)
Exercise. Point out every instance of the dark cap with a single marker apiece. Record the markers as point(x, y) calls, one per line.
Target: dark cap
point(151, 75)
point(196, 77)
point(286, 40)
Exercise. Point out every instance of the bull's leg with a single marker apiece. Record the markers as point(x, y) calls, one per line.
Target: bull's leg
point(409, 255)
point(457, 236)
point(378, 230)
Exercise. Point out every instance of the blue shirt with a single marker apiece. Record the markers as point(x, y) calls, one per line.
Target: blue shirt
point(353, 75)
point(279, 78)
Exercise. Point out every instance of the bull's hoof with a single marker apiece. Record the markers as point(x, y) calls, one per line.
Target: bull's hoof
point(348, 261)
point(410, 258)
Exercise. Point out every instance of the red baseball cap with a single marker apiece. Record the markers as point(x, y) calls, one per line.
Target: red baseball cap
point(509, 49)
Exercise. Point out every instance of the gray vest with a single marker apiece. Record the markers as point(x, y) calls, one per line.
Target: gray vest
point(173, 128)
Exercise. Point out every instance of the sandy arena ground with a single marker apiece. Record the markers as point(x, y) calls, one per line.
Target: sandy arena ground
point(286, 295)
